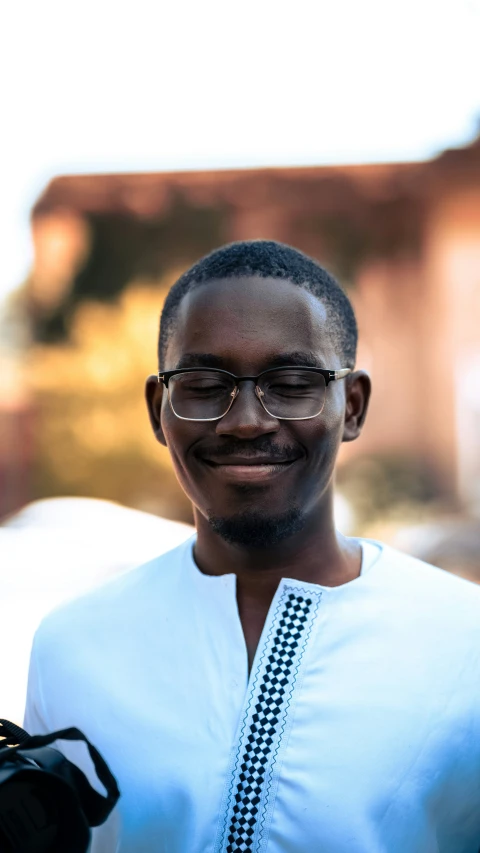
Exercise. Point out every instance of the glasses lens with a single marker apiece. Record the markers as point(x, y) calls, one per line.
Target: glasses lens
point(201, 394)
point(293, 393)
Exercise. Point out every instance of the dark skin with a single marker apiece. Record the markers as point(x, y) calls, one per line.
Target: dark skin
point(243, 325)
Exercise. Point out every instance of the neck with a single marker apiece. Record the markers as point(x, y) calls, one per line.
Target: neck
point(317, 554)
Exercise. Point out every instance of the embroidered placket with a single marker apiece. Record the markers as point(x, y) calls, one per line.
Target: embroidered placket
point(253, 777)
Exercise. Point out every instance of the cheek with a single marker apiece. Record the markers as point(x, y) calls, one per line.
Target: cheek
point(176, 433)
point(323, 439)
point(185, 477)
point(323, 447)
point(180, 436)
point(333, 415)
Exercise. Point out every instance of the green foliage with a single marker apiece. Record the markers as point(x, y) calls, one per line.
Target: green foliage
point(92, 433)
point(126, 248)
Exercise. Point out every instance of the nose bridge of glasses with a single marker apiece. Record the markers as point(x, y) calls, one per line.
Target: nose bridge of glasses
point(257, 390)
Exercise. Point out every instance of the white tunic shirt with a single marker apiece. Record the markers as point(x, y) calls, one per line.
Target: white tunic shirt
point(357, 731)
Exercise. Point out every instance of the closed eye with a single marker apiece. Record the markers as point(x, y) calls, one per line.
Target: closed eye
point(203, 387)
point(291, 389)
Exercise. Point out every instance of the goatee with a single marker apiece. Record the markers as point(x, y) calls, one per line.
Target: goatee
point(253, 529)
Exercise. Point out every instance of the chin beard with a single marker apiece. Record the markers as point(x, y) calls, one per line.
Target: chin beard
point(253, 529)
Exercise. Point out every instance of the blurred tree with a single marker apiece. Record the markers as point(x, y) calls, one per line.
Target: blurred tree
point(92, 433)
point(124, 248)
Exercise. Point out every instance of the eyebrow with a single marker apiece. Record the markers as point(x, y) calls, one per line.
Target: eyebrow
point(200, 359)
point(284, 359)
point(296, 359)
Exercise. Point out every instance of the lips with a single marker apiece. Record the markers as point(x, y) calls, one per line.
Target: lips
point(242, 469)
point(247, 461)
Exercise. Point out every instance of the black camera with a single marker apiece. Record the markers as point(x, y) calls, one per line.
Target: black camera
point(47, 804)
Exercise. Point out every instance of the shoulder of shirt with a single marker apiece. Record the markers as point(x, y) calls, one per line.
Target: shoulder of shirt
point(134, 585)
point(420, 579)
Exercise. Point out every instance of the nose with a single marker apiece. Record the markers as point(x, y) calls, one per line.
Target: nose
point(246, 417)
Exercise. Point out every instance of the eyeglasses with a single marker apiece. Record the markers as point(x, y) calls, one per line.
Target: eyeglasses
point(286, 393)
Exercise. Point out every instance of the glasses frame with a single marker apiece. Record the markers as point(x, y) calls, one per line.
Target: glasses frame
point(328, 375)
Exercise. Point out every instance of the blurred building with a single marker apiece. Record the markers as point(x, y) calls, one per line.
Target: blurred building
point(404, 239)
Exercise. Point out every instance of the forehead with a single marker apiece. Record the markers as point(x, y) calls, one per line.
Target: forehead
point(247, 321)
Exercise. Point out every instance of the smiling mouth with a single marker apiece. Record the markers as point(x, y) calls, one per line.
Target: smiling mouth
point(249, 469)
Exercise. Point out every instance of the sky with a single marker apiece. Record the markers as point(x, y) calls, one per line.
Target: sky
point(103, 86)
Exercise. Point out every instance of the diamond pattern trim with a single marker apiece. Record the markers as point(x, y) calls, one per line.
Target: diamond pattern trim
point(265, 722)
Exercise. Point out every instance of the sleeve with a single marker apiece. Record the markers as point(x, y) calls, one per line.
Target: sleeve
point(35, 720)
point(105, 838)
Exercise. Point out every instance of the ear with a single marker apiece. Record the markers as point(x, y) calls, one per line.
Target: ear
point(153, 395)
point(358, 388)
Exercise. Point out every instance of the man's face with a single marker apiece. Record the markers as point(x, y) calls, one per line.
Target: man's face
point(246, 326)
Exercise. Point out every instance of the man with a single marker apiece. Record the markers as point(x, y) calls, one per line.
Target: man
point(270, 685)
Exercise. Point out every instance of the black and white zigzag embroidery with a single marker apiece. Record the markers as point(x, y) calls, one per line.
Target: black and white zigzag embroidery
point(264, 723)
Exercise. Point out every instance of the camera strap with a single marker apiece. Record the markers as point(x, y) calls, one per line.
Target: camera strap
point(95, 805)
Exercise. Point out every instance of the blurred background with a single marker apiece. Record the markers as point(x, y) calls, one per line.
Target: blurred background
point(138, 140)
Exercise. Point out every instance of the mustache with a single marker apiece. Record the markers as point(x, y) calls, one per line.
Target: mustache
point(261, 446)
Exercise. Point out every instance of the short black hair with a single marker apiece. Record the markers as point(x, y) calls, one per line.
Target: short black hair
point(266, 259)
